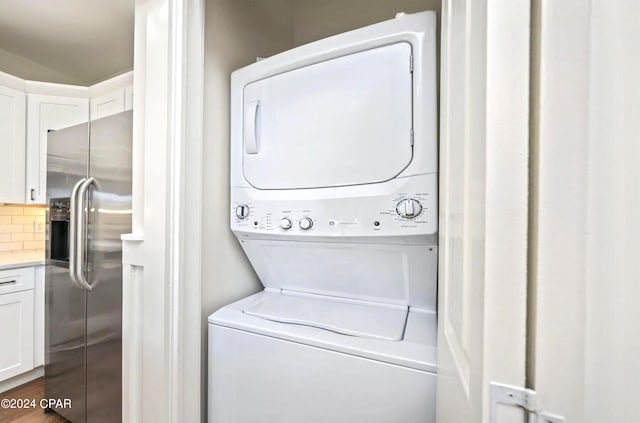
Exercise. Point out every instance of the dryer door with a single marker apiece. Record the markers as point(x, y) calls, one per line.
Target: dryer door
point(344, 121)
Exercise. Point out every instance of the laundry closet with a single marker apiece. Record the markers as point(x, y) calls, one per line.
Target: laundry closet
point(399, 202)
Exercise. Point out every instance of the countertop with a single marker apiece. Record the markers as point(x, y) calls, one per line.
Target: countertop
point(33, 263)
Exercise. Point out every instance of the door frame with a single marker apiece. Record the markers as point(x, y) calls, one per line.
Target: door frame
point(162, 375)
point(584, 255)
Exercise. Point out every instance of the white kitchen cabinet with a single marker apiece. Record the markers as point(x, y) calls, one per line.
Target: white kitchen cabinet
point(108, 104)
point(38, 315)
point(44, 113)
point(115, 95)
point(12, 145)
point(16, 333)
point(19, 279)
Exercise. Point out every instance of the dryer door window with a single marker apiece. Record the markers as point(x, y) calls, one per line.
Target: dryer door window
point(344, 121)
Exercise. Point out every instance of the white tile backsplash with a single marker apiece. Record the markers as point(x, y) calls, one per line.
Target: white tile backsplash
point(22, 235)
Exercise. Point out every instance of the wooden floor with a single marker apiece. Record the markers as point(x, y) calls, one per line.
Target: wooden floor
point(32, 390)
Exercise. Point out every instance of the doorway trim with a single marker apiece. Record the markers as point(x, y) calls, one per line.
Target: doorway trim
point(162, 375)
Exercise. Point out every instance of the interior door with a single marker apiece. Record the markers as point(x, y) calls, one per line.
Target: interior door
point(483, 209)
point(109, 217)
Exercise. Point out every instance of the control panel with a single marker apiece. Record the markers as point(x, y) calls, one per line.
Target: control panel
point(409, 210)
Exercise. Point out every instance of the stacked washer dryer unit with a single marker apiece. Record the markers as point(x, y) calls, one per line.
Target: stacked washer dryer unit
point(334, 201)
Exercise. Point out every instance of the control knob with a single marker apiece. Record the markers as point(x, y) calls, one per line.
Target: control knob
point(285, 223)
point(242, 211)
point(305, 223)
point(409, 208)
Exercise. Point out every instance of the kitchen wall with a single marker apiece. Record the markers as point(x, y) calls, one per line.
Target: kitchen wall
point(22, 233)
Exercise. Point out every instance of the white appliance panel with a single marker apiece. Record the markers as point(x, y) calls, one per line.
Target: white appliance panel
point(343, 213)
point(417, 349)
point(256, 378)
point(344, 316)
point(343, 121)
point(392, 274)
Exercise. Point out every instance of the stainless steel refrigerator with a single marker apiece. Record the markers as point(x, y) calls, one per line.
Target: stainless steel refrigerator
point(89, 207)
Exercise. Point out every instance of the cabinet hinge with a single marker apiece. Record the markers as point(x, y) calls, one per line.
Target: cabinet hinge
point(519, 397)
point(411, 63)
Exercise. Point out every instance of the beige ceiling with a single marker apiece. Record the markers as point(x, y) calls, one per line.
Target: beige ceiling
point(82, 41)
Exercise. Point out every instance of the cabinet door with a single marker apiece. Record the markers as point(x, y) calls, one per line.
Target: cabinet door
point(44, 113)
point(12, 145)
point(16, 333)
point(38, 313)
point(108, 104)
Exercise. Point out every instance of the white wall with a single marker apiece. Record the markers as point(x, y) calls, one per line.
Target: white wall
point(236, 32)
point(612, 337)
point(585, 273)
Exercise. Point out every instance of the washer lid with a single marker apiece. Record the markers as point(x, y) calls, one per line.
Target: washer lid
point(348, 317)
point(343, 121)
point(418, 348)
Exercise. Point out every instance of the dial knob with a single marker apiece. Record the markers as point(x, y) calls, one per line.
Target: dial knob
point(242, 211)
point(285, 223)
point(409, 208)
point(305, 223)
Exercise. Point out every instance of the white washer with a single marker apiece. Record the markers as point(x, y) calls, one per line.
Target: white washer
point(334, 201)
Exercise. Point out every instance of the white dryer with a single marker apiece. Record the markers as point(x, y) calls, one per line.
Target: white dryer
point(334, 201)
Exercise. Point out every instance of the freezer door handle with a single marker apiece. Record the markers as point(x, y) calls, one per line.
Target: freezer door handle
point(72, 232)
point(80, 235)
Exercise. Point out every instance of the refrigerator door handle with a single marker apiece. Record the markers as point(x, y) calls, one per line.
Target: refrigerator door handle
point(80, 234)
point(72, 232)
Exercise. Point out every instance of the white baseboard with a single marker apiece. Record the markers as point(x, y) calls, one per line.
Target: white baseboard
point(21, 379)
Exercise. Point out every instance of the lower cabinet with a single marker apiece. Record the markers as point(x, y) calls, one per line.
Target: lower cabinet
point(16, 333)
point(38, 313)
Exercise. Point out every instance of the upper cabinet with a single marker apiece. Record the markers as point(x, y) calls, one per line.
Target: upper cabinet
point(107, 104)
point(30, 109)
point(46, 113)
point(112, 96)
point(12, 145)
point(55, 106)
